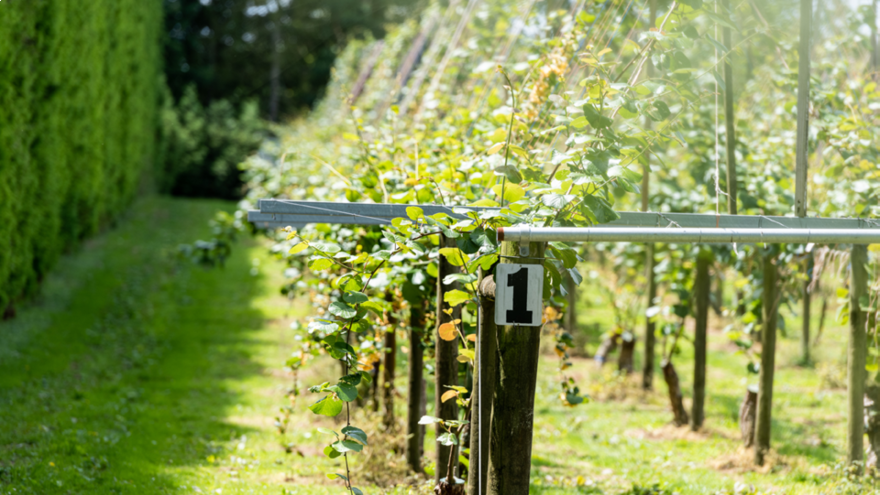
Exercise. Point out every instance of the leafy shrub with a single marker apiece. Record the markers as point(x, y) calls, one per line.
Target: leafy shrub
point(202, 146)
point(79, 107)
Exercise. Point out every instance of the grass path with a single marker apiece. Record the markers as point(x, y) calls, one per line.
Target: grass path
point(137, 373)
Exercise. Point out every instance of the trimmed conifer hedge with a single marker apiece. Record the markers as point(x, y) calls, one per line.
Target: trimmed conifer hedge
point(79, 87)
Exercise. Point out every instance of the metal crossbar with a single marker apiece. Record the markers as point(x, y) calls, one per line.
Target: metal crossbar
point(276, 213)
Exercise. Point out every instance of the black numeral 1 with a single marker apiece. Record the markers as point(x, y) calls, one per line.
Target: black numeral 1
point(519, 280)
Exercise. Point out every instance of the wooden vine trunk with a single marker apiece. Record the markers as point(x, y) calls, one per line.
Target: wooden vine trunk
point(768, 362)
point(650, 329)
point(607, 347)
point(415, 439)
point(857, 350)
point(701, 296)
point(625, 361)
point(679, 414)
point(446, 366)
point(747, 416)
point(872, 426)
point(481, 402)
point(390, 366)
point(805, 310)
point(513, 401)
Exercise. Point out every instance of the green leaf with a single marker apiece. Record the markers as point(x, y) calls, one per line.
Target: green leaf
point(456, 297)
point(662, 110)
point(596, 119)
point(333, 476)
point(302, 246)
point(600, 209)
point(342, 310)
point(429, 420)
point(510, 172)
point(718, 18)
point(579, 123)
point(557, 201)
point(328, 431)
point(448, 439)
point(462, 278)
point(319, 264)
point(344, 446)
point(327, 247)
point(512, 192)
point(454, 256)
point(354, 297)
point(357, 491)
point(330, 452)
point(356, 433)
point(328, 406)
point(414, 213)
point(345, 391)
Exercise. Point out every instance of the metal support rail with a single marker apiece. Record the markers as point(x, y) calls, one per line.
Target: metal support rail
point(525, 234)
point(275, 213)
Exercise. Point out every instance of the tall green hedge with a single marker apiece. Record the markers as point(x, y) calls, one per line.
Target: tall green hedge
point(78, 114)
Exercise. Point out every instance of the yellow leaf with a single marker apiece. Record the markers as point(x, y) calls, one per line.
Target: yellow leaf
point(495, 148)
point(449, 394)
point(472, 337)
point(299, 247)
point(447, 332)
point(454, 256)
point(291, 234)
point(603, 52)
point(512, 192)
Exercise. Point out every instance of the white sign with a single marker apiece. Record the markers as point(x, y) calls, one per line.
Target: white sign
point(519, 294)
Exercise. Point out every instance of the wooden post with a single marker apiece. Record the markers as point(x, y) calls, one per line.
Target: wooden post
point(701, 296)
point(481, 403)
point(446, 366)
point(807, 302)
point(768, 361)
point(874, 56)
point(856, 354)
point(650, 329)
point(513, 401)
point(571, 310)
point(730, 130)
point(390, 366)
point(414, 438)
point(803, 111)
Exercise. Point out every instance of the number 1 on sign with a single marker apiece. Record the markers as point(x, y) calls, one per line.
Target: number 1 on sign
point(519, 293)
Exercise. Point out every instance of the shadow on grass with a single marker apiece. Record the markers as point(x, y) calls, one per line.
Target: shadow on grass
point(788, 438)
point(134, 374)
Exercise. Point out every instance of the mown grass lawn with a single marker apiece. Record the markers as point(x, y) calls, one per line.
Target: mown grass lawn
point(136, 372)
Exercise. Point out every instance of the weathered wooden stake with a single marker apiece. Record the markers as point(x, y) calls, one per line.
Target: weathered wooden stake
point(414, 438)
point(481, 403)
point(446, 367)
point(856, 354)
point(768, 362)
point(803, 110)
point(650, 338)
point(730, 130)
point(513, 401)
point(701, 296)
point(807, 302)
point(390, 365)
point(650, 329)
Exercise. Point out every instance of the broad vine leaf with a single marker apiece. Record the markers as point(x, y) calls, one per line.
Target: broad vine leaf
point(447, 331)
point(454, 256)
point(328, 406)
point(356, 433)
point(456, 297)
point(354, 297)
point(302, 246)
point(342, 310)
